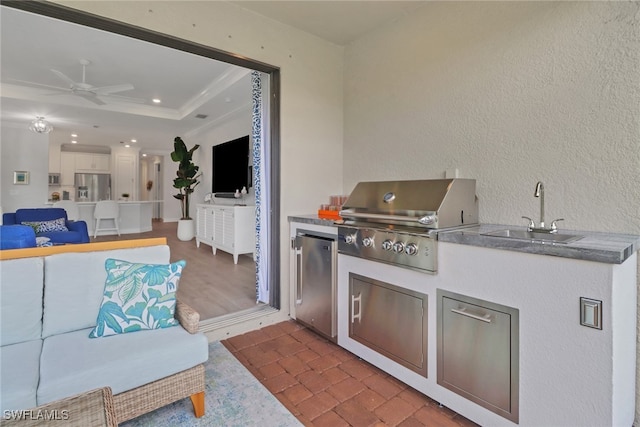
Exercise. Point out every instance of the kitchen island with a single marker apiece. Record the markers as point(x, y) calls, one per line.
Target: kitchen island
point(135, 216)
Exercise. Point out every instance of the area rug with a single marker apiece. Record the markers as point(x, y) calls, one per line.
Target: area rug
point(233, 397)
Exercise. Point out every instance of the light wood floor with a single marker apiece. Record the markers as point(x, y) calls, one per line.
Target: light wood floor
point(212, 284)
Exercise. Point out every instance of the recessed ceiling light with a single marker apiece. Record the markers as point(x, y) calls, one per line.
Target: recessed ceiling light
point(156, 101)
point(127, 145)
point(144, 154)
point(74, 135)
point(74, 142)
point(134, 140)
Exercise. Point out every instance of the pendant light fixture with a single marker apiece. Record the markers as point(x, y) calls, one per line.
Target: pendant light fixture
point(40, 125)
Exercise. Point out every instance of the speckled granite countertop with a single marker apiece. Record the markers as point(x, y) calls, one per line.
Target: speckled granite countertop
point(609, 248)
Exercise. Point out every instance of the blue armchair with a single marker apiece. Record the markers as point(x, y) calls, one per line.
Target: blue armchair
point(17, 236)
point(46, 223)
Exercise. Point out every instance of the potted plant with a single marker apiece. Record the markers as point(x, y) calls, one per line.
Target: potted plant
point(185, 182)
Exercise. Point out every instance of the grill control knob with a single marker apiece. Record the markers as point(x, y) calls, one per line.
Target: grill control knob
point(411, 249)
point(387, 245)
point(367, 242)
point(398, 247)
point(350, 239)
point(427, 220)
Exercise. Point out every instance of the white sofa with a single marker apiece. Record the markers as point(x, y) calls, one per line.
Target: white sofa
point(49, 304)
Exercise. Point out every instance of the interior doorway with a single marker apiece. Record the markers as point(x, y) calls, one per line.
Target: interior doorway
point(270, 252)
point(157, 189)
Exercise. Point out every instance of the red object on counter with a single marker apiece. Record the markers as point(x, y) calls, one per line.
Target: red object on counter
point(329, 214)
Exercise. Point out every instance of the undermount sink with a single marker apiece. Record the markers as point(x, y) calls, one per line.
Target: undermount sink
point(534, 236)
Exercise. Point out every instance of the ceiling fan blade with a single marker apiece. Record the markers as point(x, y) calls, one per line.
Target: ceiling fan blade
point(59, 92)
point(34, 84)
point(125, 99)
point(106, 90)
point(64, 77)
point(90, 96)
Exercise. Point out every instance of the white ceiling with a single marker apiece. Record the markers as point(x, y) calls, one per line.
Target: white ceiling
point(188, 85)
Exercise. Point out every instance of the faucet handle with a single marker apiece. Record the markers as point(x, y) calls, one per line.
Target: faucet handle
point(532, 224)
point(554, 225)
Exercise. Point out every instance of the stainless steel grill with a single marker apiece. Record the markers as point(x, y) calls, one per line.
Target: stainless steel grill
point(397, 221)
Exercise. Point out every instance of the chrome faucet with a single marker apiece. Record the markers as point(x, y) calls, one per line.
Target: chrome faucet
point(532, 225)
point(540, 193)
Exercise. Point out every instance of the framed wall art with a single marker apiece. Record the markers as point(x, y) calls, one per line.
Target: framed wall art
point(21, 177)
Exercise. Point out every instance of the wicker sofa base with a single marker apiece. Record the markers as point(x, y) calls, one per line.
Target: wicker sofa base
point(149, 397)
point(89, 409)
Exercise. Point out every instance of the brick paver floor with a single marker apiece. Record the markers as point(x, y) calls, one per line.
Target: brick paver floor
point(323, 384)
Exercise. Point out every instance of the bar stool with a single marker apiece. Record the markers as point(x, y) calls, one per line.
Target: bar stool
point(109, 210)
point(73, 214)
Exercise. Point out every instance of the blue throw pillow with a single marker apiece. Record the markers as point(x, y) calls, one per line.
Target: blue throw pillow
point(46, 226)
point(137, 297)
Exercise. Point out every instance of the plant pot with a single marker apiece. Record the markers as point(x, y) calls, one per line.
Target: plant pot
point(186, 229)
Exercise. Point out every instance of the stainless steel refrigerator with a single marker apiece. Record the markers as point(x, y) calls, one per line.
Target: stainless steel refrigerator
point(315, 291)
point(92, 187)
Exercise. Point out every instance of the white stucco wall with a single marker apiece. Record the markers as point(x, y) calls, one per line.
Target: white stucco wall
point(23, 150)
point(311, 90)
point(509, 93)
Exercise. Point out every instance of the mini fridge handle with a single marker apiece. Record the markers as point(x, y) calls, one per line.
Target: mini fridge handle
point(298, 276)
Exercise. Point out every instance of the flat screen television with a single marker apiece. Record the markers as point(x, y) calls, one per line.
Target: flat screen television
point(230, 168)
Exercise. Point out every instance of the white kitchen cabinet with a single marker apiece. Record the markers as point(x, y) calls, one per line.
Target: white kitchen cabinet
point(228, 228)
point(67, 169)
point(97, 163)
point(72, 163)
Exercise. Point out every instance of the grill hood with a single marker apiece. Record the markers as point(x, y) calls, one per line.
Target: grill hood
point(431, 203)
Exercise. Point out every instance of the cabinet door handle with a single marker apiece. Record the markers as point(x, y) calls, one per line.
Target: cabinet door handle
point(463, 311)
point(298, 277)
point(354, 300)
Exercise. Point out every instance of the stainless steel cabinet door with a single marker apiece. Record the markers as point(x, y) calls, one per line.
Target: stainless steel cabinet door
point(390, 320)
point(478, 352)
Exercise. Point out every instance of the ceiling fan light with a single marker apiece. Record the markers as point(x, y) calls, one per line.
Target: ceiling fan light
point(40, 125)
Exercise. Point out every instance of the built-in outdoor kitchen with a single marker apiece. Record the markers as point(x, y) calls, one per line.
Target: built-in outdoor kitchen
point(529, 325)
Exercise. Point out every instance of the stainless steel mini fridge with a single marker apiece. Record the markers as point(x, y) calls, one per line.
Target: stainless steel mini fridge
point(316, 256)
point(92, 187)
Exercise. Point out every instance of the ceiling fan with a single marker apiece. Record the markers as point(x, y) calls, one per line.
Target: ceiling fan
point(94, 94)
point(87, 91)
